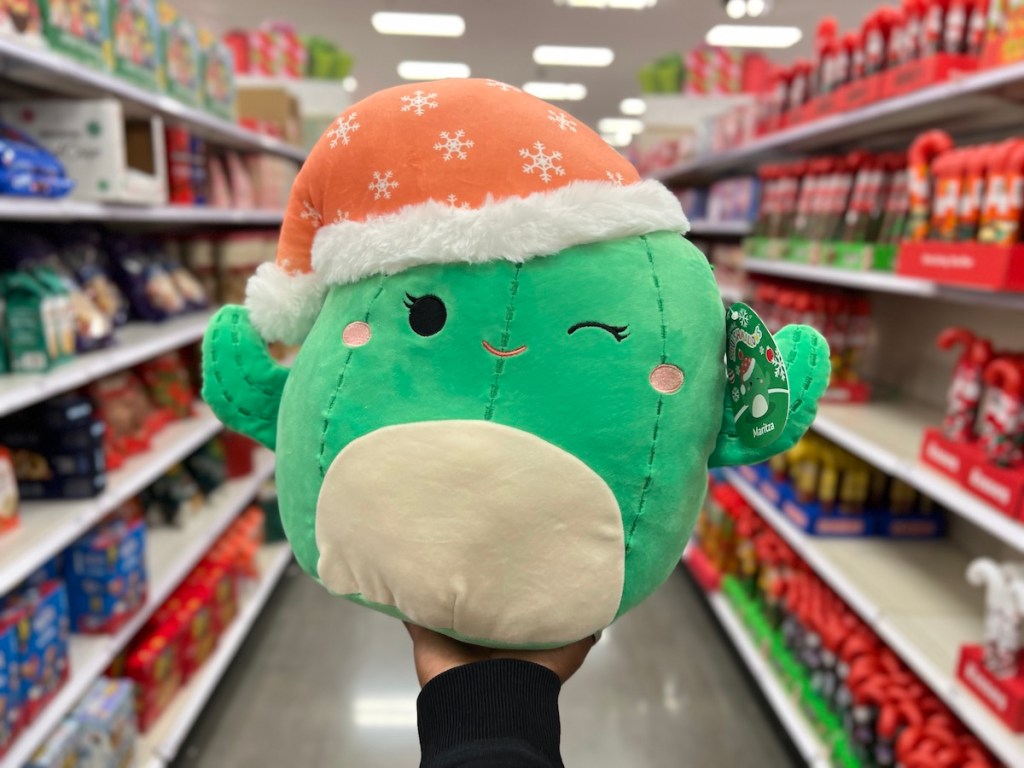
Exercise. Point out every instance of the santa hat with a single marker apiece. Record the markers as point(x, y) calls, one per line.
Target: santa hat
point(453, 171)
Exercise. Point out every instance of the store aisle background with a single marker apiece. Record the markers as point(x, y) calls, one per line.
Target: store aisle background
point(323, 683)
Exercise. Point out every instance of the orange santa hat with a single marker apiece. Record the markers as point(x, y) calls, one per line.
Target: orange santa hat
point(446, 172)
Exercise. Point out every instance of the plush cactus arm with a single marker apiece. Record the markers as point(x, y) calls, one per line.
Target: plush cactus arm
point(808, 370)
point(241, 381)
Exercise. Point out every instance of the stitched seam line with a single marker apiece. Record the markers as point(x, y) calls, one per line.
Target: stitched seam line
point(649, 474)
point(499, 367)
point(236, 339)
point(224, 390)
point(339, 385)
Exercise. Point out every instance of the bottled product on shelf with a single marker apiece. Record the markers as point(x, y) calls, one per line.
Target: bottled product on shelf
point(965, 213)
point(842, 317)
point(824, 490)
point(868, 706)
point(981, 441)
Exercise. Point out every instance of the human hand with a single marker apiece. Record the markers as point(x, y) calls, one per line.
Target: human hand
point(436, 653)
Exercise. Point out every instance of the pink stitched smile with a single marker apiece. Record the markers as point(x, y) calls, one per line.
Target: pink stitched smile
point(499, 353)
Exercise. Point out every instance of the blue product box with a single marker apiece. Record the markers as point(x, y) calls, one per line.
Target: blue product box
point(43, 645)
point(61, 749)
point(106, 716)
point(10, 684)
point(106, 576)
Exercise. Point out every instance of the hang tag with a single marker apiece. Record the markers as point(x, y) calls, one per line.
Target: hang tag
point(757, 382)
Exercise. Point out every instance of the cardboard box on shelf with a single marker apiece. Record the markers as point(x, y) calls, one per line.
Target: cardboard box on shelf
point(111, 157)
point(135, 40)
point(80, 30)
point(217, 77)
point(21, 19)
point(273, 108)
point(179, 43)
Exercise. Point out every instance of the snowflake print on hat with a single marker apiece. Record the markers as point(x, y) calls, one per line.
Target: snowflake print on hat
point(419, 103)
point(503, 87)
point(453, 202)
point(343, 127)
point(564, 122)
point(614, 178)
point(541, 161)
point(311, 214)
point(454, 145)
point(340, 216)
point(382, 185)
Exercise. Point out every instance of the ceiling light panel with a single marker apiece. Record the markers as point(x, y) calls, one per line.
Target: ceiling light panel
point(750, 36)
point(572, 56)
point(627, 4)
point(432, 70)
point(557, 91)
point(620, 125)
point(424, 24)
point(633, 107)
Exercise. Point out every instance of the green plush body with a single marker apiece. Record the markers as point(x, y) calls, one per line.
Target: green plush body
point(587, 393)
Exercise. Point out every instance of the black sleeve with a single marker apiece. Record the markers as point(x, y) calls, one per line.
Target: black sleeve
point(491, 714)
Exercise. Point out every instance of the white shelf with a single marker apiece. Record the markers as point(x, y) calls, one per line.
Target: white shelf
point(915, 596)
point(882, 282)
point(160, 745)
point(888, 435)
point(133, 343)
point(706, 228)
point(46, 527)
point(973, 100)
point(170, 555)
point(42, 209)
point(785, 705)
point(41, 68)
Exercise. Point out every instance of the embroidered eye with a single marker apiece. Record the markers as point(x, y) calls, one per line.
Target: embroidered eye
point(620, 332)
point(427, 314)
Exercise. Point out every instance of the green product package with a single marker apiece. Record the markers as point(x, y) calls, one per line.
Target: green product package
point(864, 256)
point(59, 303)
point(135, 39)
point(31, 338)
point(217, 77)
point(80, 30)
point(180, 47)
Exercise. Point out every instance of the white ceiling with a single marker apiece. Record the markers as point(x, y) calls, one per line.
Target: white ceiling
point(501, 35)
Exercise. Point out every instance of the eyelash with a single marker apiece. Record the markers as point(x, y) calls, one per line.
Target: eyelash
point(410, 300)
point(620, 332)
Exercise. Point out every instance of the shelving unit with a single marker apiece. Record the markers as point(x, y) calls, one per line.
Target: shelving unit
point(161, 744)
point(706, 228)
point(786, 707)
point(170, 555)
point(43, 209)
point(888, 435)
point(882, 282)
point(913, 594)
point(46, 527)
point(54, 73)
point(972, 102)
point(133, 343)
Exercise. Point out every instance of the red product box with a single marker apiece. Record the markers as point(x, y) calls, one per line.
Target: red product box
point(1004, 697)
point(189, 614)
point(915, 75)
point(946, 456)
point(861, 92)
point(1002, 488)
point(976, 265)
point(179, 166)
point(825, 105)
point(702, 568)
point(154, 664)
point(217, 583)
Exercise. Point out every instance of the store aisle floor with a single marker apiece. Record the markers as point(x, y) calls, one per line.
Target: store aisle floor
point(322, 683)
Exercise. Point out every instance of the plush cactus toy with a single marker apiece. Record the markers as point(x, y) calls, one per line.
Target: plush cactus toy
point(514, 372)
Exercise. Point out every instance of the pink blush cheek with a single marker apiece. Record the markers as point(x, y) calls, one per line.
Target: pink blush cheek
point(356, 334)
point(667, 379)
